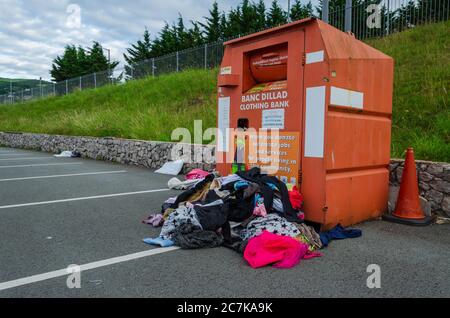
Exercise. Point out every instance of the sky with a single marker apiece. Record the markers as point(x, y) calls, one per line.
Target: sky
point(34, 32)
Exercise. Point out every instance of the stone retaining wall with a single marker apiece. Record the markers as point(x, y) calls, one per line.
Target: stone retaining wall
point(434, 178)
point(150, 154)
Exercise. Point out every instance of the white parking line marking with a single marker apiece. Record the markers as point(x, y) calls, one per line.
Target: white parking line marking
point(28, 158)
point(42, 165)
point(13, 154)
point(85, 267)
point(63, 175)
point(81, 198)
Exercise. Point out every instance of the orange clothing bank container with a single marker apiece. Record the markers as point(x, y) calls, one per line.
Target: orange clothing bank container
point(330, 97)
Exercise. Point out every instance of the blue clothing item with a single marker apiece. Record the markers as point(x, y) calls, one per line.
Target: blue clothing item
point(240, 185)
point(272, 186)
point(259, 199)
point(338, 233)
point(158, 241)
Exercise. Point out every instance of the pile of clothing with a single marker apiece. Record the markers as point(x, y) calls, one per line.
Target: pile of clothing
point(250, 212)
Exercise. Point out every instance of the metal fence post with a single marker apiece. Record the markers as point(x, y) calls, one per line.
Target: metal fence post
point(206, 56)
point(348, 15)
point(80, 85)
point(177, 62)
point(388, 18)
point(95, 80)
point(54, 89)
point(153, 67)
point(325, 10)
point(67, 87)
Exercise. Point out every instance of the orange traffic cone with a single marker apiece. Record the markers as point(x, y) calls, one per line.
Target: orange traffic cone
point(408, 209)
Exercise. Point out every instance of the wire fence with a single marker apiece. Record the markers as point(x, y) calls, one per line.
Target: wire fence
point(366, 19)
point(378, 18)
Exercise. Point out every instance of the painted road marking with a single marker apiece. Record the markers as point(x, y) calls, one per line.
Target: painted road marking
point(28, 158)
point(42, 165)
point(63, 175)
point(12, 153)
point(81, 198)
point(85, 267)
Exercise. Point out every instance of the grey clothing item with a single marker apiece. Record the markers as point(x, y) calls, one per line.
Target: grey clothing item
point(222, 194)
point(230, 178)
point(310, 234)
point(251, 190)
point(189, 236)
point(272, 223)
point(277, 205)
point(180, 216)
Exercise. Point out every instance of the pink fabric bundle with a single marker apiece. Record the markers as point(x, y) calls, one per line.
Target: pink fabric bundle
point(281, 251)
point(260, 210)
point(196, 174)
point(155, 220)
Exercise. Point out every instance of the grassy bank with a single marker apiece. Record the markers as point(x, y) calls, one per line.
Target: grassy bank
point(146, 109)
point(421, 113)
point(151, 108)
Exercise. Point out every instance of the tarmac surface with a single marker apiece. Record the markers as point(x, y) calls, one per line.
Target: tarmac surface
point(55, 212)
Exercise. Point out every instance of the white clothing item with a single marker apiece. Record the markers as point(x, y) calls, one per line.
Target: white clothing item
point(171, 200)
point(64, 154)
point(214, 203)
point(177, 184)
point(171, 168)
point(230, 178)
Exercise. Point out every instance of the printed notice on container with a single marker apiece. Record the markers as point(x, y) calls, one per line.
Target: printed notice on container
point(273, 118)
point(223, 124)
point(225, 70)
point(276, 154)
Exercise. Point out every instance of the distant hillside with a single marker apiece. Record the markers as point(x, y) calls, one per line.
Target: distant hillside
point(18, 84)
point(151, 108)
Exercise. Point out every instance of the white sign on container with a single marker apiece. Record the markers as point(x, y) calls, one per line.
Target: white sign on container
point(223, 124)
point(273, 118)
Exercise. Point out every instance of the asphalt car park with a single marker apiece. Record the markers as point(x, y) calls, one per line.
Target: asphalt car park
point(56, 212)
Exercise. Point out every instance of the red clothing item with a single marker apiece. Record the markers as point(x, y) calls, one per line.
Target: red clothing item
point(196, 174)
point(296, 198)
point(281, 251)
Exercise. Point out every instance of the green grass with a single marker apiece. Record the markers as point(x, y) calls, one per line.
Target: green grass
point(421, 112)
point(151, 108)
point(146, 109)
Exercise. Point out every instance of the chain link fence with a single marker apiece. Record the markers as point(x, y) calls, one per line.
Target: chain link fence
point(378, 18)
point(369, 19)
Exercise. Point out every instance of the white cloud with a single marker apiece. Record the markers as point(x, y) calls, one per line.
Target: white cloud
point(33, 32)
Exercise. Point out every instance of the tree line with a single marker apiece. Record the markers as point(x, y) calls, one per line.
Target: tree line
point(248, 17)
point(79, 61)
